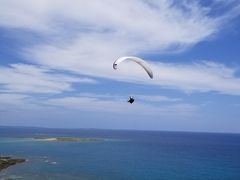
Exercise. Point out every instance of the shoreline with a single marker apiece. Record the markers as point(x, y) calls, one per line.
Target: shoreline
point(7, 161)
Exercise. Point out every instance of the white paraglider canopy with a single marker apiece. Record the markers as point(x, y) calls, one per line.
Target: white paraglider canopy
point(139, 61)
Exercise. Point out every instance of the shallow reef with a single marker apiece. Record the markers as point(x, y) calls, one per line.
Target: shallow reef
point(69, 139)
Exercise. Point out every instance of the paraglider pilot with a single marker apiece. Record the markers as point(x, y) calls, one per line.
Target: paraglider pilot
point(131, 100)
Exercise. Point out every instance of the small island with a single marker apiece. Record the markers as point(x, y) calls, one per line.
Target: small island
point(68, 139)
point(6, 161)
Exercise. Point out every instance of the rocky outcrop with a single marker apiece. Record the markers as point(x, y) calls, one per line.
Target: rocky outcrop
point(6, 161)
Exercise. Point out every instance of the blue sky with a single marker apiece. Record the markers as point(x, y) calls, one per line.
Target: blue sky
point(56, 64)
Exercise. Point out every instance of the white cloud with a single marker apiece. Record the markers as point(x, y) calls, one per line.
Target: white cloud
point(88, 35)
point(139, 97)
point(200, 77)
point(13, 102)
point(99, 103)
point(144, 24)
point(11, 99)
point(25, 14)
point(33, 79)
point(157, 98)
point(127, 26)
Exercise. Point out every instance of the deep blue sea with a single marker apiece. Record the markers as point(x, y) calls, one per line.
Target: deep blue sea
point(122, 155)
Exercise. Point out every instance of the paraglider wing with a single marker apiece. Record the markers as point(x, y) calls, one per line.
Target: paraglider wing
point(141, 62)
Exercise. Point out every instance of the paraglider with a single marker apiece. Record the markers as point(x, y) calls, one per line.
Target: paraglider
point(137, 60)
point(131, 100)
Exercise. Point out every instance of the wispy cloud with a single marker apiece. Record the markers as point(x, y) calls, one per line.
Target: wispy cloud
point(99, 32)
point(200, 77)
point(85, 38)
point(12, 99)
point(65, 43)
point(142, 24)
point(157, 98)
point(99, 103)
point(140, 97)
point(12, 102)
point(25, 78)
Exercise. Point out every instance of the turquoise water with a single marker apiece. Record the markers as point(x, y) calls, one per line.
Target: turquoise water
point(122, 155)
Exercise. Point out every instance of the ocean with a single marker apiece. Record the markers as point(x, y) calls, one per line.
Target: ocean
point(123, 154)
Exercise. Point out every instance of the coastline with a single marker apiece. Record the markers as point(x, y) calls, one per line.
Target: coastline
point(7, 161)
point(132, 155)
